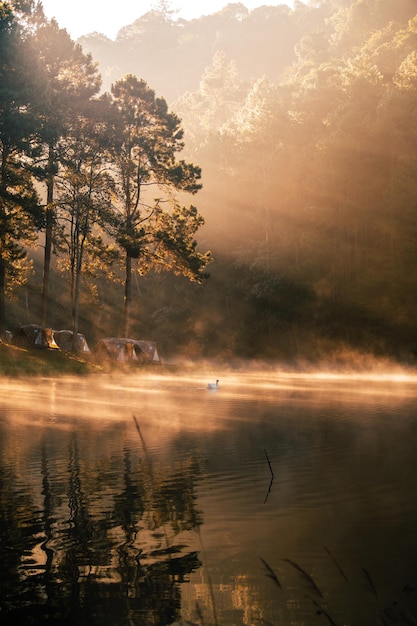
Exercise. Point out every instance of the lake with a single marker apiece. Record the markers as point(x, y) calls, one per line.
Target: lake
point(277, 499)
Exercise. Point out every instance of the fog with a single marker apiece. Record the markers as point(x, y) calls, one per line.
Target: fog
point(113, 396)
point(149, 498)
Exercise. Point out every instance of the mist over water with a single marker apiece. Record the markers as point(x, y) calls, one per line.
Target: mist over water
point(152, 499)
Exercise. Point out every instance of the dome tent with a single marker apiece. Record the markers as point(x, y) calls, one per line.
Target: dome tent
point(127, 350)
point(32, 335)
point(64, 339)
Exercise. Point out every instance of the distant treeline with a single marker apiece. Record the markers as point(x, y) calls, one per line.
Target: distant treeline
point(304, 123)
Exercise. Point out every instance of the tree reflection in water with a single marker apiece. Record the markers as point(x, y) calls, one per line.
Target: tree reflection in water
point(99, 525)
point(99, 541)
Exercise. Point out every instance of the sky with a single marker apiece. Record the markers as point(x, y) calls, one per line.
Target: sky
point(81, 17)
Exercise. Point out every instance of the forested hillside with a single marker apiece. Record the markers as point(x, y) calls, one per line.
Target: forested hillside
point(304, 125)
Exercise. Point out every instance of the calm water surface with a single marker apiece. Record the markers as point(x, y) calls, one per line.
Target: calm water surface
point(276, 499)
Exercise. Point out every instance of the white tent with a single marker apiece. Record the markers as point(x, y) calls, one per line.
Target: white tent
point(124, 350)
point(34, 335)
point(64, 340)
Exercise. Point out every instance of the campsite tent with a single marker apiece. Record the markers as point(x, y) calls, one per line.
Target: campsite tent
point(64, 340)
point(35, 336)
point(6, 336)
point(125, 350)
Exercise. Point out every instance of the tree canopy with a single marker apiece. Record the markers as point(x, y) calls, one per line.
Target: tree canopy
point(94, 156)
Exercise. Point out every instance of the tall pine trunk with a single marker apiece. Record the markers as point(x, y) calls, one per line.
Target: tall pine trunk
point(76, 288)
point(128, 295)
point(2, 295)
point(3, 173)
point(48, 240)
point(76, 310)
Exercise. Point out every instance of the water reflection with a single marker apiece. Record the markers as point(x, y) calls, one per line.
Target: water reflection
point(280, 500)
point(92, 530)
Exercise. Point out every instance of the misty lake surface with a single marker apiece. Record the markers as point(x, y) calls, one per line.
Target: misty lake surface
point(276, 499)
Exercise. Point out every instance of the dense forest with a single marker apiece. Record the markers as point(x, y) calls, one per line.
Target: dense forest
point(294, 130)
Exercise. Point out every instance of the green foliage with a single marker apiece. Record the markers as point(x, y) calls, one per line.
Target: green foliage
point(19, 209)
point(175, 243)
point(85, 197)
point(152, 228)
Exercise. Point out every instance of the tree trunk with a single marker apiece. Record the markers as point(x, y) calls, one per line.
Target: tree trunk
point(2, 262)
point(128, 295)
point(76, 305)
point(48, 241)
point(2, 296)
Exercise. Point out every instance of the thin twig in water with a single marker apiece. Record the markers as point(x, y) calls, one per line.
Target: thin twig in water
point(269, 491)
point(336, 563)
point(140, 435)
point(269, 463)
point(272, 477)
point(308, 578)
point(322, 611)
point(370, 582)
point(270, 573)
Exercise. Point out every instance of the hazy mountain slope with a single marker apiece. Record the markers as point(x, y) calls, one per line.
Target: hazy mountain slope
point(172, 55)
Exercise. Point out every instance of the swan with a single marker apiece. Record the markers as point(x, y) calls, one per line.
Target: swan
point(213, 385)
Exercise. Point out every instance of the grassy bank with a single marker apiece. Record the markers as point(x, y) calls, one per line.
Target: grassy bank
point(16, 361)
point(19, 361)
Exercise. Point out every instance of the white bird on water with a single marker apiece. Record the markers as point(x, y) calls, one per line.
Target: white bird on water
point(213, 385)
